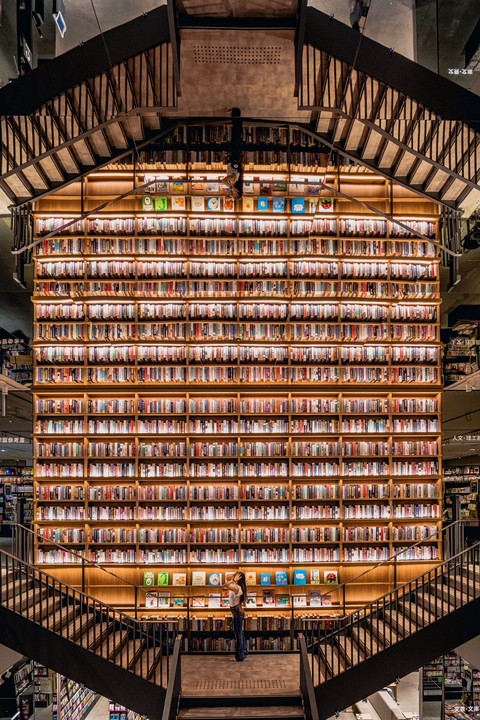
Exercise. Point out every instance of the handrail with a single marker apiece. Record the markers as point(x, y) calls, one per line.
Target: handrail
point(393, 558)
point(397, 608)
point(18, 528)
point(306, 682)
point(174, 687)
point(18, 595)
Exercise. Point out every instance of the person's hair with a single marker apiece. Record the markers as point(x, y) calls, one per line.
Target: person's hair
point(241, 584)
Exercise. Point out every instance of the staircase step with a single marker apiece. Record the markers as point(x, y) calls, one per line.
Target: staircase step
point(262, 712)
point(366, 640)
point(349, 649)
point(400, 623)
point(78, 625)
point(130, 653)
point(112, 644)
point(147, 663)
point(191, 700)
point(58, 619)
point(385, 633)
point(333, 659)
point(419, 614)
point(95, 635)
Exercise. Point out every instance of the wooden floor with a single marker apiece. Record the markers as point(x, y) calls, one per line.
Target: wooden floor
point(211, 675)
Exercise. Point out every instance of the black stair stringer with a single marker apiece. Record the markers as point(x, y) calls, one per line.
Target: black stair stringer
point(403, 657)
point(81, 665)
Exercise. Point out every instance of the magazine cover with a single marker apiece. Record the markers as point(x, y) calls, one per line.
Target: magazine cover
point(160, 203)
point(298, 205)
point(198, 577)
point(299, 577)
point(198, 203)
point(281, 577)
point(162, 578)
point(330, 577)
point(265, 579)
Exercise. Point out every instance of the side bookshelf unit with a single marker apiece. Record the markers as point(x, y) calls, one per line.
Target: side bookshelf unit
point(250, 383)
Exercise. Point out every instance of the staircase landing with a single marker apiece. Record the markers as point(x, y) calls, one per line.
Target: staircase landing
point(258, 675)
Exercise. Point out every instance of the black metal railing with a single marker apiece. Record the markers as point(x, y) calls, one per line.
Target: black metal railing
point(143, 648)
point(452, 539)
point(174, 688)
point(402, 611)
point(306, 683)
point(23, 547)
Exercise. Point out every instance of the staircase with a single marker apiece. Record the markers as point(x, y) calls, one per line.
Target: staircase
point(396, 633)
point(83, 638)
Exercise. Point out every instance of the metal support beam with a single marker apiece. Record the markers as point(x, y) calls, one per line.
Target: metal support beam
point(172, 15)
point(299, 44)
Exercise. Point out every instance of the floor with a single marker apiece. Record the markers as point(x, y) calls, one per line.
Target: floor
point(217, 674)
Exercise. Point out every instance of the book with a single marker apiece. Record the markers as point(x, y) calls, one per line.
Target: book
point(198, 601)
point(315, 598)
point(248, 188)
point(228, 204)
point(160, 203)
point(162, 578)
point(278, 205)
point(327, 600)
point(247, 204)
point(161, 186)
point(300, 600)
point(214, 600)
point(198, 203)
point(281, 577)
point(149, 578)
point(198, 186)
point(297, 188)
point(251, 577)
point(268, 597)
point(264, 578)
point(147, 203)
point(326, 204)
point(224, 600)
point(179, 203)
point(163, 599)
point(262, 204)
point(299, 577)
point(330, 577)
point(179, 578)
point(178, 600)
point(265, 188)
point(212, 186)
point(283, 601)
point(151, 600)
point(213, 203)
point(279, 186)
point(215, 579)
point(313, 189)
point(198, 577)
point(178, 186)
point(252, 599)
point(298, 205)
point(315, 576)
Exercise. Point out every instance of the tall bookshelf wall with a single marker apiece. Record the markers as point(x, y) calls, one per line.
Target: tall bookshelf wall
point(236, 387)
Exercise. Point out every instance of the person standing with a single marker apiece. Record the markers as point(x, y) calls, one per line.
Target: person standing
point(237, 597)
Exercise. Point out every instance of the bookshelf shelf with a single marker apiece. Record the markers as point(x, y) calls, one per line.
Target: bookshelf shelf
point(233, 386)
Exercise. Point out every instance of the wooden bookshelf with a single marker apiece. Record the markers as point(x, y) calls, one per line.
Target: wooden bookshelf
point(237, 388)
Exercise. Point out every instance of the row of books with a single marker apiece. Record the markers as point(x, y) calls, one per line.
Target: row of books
point(232, 469)
point(231, 449)
point(195, 289)
point(377, 354)
point(389, 249)
point(348, 511)
point(235, 404)
point(253, 311)
point(140, 269)
point(233, 493)
point(218, 427)
point(365, 227)
point(210, 556)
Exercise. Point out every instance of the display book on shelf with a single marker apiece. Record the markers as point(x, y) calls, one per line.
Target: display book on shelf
point(461, 481)
point(456, 683)
point(33, 685)
point(319, 405)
